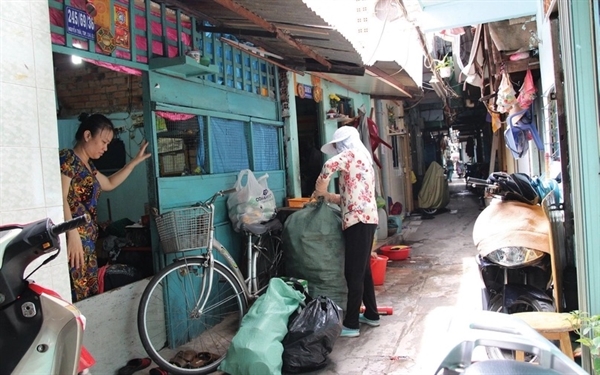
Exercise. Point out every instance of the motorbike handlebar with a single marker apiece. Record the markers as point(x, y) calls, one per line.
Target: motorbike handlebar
point(70, 224)
point(473, 180)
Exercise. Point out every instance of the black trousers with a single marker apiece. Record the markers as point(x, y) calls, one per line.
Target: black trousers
point(359, 241)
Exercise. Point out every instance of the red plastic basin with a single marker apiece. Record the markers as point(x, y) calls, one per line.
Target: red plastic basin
point(396, 252)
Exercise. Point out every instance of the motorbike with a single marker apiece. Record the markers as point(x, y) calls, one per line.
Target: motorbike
point(41, 333)
point(513, 240)
point(485, 328)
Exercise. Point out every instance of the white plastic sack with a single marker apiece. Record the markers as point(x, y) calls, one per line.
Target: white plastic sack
point(253, 202)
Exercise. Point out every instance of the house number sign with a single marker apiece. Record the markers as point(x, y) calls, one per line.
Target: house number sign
point(78, 22)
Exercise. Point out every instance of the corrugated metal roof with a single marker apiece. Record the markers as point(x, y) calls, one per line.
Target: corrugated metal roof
point(294, 18)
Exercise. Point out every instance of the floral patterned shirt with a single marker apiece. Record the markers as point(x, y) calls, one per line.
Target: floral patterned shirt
point(357, 187)
point(84, 191)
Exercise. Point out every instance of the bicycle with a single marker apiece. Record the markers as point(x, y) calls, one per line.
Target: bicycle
point(207, 298)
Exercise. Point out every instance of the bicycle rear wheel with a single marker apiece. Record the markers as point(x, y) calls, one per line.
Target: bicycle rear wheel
point(269, 260)
point(169, 320)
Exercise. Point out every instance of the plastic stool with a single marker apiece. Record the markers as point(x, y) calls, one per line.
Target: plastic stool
point(551, 325)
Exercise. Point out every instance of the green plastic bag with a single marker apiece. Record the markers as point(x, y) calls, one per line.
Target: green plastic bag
point(256, 349)
point(313, 249)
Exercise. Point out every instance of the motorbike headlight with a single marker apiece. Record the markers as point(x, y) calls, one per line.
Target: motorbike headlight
point(514, 256)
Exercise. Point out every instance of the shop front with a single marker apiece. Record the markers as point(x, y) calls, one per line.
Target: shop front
point(205, 120)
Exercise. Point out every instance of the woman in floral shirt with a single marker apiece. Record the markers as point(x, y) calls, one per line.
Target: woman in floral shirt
point(81, 187)
point(359, 221)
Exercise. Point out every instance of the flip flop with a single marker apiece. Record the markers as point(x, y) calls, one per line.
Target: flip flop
point(202, 359)
point(158, 371)
point(134, 365)
point(183, 358)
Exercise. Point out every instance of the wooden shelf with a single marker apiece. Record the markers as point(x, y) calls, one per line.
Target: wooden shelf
point(181, 66)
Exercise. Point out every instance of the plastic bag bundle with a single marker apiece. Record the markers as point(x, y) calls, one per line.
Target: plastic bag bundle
point(506, 95)
point(256, 349)
point(314, 250)
point(312, 332)
point(253, 202)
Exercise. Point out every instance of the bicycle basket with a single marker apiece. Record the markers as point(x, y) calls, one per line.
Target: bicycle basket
point(184, 229)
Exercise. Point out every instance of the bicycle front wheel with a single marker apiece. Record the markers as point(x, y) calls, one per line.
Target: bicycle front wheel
point(179, 315)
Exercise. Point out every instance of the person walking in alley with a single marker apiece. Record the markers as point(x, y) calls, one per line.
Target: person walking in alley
point(81, 187)
point(359, 221)
point(449, 163)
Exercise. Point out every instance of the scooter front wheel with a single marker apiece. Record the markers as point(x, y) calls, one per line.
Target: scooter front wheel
point(524, 303)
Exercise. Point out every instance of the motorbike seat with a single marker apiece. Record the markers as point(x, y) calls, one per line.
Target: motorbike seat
point(502, 367)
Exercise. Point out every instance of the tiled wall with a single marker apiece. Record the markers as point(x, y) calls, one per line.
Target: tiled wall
point(29, 170)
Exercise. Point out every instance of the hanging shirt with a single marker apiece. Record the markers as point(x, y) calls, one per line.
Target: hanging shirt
point(357, 187)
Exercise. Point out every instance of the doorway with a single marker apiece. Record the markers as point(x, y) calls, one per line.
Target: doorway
point(82, 86)
point(309, 143)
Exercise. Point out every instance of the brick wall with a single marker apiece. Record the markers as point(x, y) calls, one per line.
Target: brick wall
point(90, 88)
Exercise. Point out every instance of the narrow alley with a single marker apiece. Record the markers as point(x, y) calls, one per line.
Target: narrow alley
point(439, 280)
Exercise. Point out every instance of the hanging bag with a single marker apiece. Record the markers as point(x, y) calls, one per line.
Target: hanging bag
point(527, 91)
point(252, 202)
point(506, 95)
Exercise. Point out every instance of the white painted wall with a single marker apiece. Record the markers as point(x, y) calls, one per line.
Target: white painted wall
point(111, 334)
point(30, 186)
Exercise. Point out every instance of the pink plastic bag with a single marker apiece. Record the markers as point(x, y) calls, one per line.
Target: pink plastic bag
point(527, 91)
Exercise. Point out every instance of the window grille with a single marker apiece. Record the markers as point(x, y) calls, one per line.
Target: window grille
point(212, 145)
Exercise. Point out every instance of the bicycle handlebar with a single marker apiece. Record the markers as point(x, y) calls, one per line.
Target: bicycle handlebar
point(218, 194)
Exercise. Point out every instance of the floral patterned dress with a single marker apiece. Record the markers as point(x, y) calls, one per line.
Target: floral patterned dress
point(83, 198)
point(357, 187)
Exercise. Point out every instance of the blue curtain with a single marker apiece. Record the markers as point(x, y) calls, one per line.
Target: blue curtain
point(229, 145)
point(266, 147)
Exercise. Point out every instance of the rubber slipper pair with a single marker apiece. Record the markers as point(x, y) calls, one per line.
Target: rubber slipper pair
point(202, 359)
point(134, 365)
point(183, 358)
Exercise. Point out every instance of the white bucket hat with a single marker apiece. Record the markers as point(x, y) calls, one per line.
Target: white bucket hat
point(340, 135)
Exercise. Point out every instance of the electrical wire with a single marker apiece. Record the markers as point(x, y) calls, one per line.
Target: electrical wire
point(380, 37)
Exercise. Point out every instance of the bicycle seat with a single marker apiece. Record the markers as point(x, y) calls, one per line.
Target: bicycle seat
point(262, 228)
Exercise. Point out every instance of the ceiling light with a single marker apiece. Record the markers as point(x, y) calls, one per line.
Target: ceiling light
point(76, 60)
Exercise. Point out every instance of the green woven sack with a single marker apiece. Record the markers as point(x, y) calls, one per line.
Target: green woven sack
point(313, 248)
point(256, 349)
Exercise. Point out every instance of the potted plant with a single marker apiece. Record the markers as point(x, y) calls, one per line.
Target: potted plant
point(588, 329)
point(333, 103)
point(444, 66)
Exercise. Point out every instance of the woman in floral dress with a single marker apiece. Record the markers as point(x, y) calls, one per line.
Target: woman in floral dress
point(81, 187)
point(359, 221)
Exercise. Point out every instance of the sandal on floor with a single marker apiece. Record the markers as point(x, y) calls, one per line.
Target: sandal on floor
point(202, 359)
point(134, 365)
point(158, 371)
point(183, 358)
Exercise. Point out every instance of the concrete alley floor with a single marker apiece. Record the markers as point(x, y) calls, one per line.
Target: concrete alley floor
point(439, 280)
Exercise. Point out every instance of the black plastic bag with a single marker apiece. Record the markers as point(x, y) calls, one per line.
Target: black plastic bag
point(312, 332)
